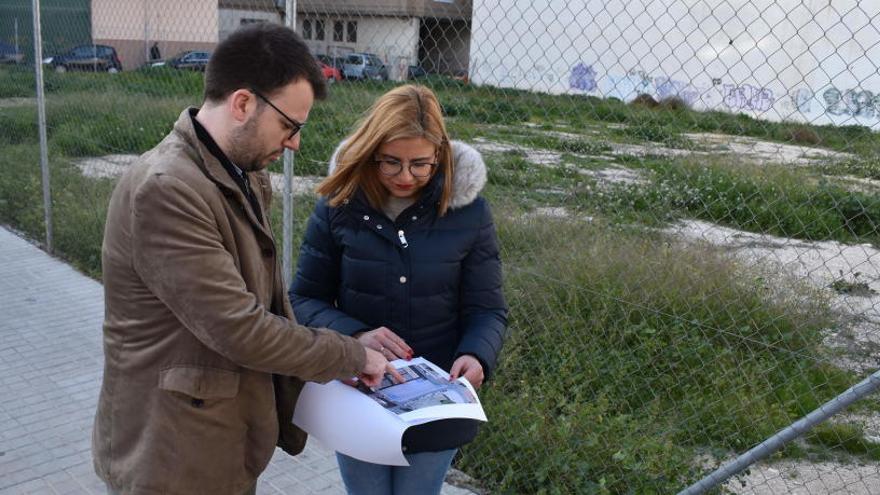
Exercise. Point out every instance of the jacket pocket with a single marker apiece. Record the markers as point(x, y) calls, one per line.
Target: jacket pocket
point(200, 382)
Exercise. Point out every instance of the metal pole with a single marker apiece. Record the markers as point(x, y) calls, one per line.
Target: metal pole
point(41, 117)
point(17, 51)
point(287, 200)
point(146, 31)
point(787, 434)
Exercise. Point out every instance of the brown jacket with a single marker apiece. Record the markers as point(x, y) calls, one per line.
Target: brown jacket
point(192, 332)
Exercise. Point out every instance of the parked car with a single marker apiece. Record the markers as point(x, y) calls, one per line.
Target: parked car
point(86, 57)
point(188, 60)
point(331, 74)
point(337, 62)
point(364, 66)
point(9, 54)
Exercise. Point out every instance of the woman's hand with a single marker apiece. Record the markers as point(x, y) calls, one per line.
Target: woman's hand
point(469, 367)
point(387, 342)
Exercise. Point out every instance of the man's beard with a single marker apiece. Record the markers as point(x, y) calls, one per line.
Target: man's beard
point(244, 147)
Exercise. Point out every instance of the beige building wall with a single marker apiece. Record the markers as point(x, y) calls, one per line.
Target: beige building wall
point(433, 33)
point(394, 39)
point(444, 9)
point(232, 19)
point(132, 26)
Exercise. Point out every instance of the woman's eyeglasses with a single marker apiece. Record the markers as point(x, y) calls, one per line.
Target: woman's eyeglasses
point(392, 167)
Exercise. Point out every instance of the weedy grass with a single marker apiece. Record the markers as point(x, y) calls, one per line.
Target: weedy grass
point(844, 437)
point(79, 205)
point(774, 200)
point(18, 82)
point(868, 168)
point(626, 358)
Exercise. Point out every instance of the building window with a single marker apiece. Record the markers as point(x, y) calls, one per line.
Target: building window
point(245, 21)
point(352, 32)
point(319, 30)
point(337, 30)
point(307, 29)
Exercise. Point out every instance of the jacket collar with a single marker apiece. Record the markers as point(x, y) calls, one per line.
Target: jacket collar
point(206, 161)
point(469, 175)
point(211, 166)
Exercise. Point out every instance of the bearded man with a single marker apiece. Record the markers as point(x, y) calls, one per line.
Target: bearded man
point(203, 358)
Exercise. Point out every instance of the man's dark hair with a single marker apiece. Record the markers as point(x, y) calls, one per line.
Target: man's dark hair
point(264, 57)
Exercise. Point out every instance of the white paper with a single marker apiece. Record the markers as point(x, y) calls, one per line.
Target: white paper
point(358, 425)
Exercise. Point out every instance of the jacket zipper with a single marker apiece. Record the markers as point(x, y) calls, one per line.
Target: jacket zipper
point(402, 239)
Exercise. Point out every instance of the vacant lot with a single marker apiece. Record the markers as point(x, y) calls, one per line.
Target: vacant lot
point(674, 287)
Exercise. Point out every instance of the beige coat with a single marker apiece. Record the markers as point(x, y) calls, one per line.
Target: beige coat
point(191, 333)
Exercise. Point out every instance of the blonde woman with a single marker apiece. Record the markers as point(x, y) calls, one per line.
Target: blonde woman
point(401, 253)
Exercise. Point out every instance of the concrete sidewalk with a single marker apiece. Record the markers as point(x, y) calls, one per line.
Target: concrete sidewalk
point(51, 362)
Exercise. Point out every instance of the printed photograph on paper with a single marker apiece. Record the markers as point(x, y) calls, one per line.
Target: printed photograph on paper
point(424, 387)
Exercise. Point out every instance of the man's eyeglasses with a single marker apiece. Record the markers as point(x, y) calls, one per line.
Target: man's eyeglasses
point(295, 125)
point(391, 167)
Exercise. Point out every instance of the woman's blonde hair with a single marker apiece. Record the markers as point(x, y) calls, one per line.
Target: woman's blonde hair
point(408, 111)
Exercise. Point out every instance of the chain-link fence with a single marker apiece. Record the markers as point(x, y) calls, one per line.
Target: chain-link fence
point(686, 194)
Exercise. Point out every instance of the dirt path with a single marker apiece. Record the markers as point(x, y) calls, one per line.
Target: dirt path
point(112, 166)
point(17, 102)
point(853, 269)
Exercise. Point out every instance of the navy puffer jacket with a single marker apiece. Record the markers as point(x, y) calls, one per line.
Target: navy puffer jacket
point(435, 281)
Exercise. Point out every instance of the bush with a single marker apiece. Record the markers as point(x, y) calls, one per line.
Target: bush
point(674, 104)
point(644, 100)
point(805, 135)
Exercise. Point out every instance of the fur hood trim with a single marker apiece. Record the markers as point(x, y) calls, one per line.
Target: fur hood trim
point(469, 176)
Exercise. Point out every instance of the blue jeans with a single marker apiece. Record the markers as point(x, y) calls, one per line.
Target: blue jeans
point(424, 475)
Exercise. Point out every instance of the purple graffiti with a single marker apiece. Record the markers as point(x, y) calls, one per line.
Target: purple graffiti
point(583, 77)
point(748, 97)
point(666, 87)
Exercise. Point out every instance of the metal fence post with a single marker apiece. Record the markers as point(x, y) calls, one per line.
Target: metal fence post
point(41, 116)
point(287, 201)
point(787, 434)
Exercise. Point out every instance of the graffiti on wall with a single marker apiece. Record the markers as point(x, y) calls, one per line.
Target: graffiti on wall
point(852, 102)
point(830, 102)
point(636, 82)
point(665, 87)
point(748, 97)
point(800, 99)
point(583, 77)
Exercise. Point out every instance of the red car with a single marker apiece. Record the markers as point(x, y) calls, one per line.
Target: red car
point(332, 74)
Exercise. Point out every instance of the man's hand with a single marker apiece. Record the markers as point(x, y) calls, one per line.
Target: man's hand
point(386, 342)
point(375, 368)
point(469, 367)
